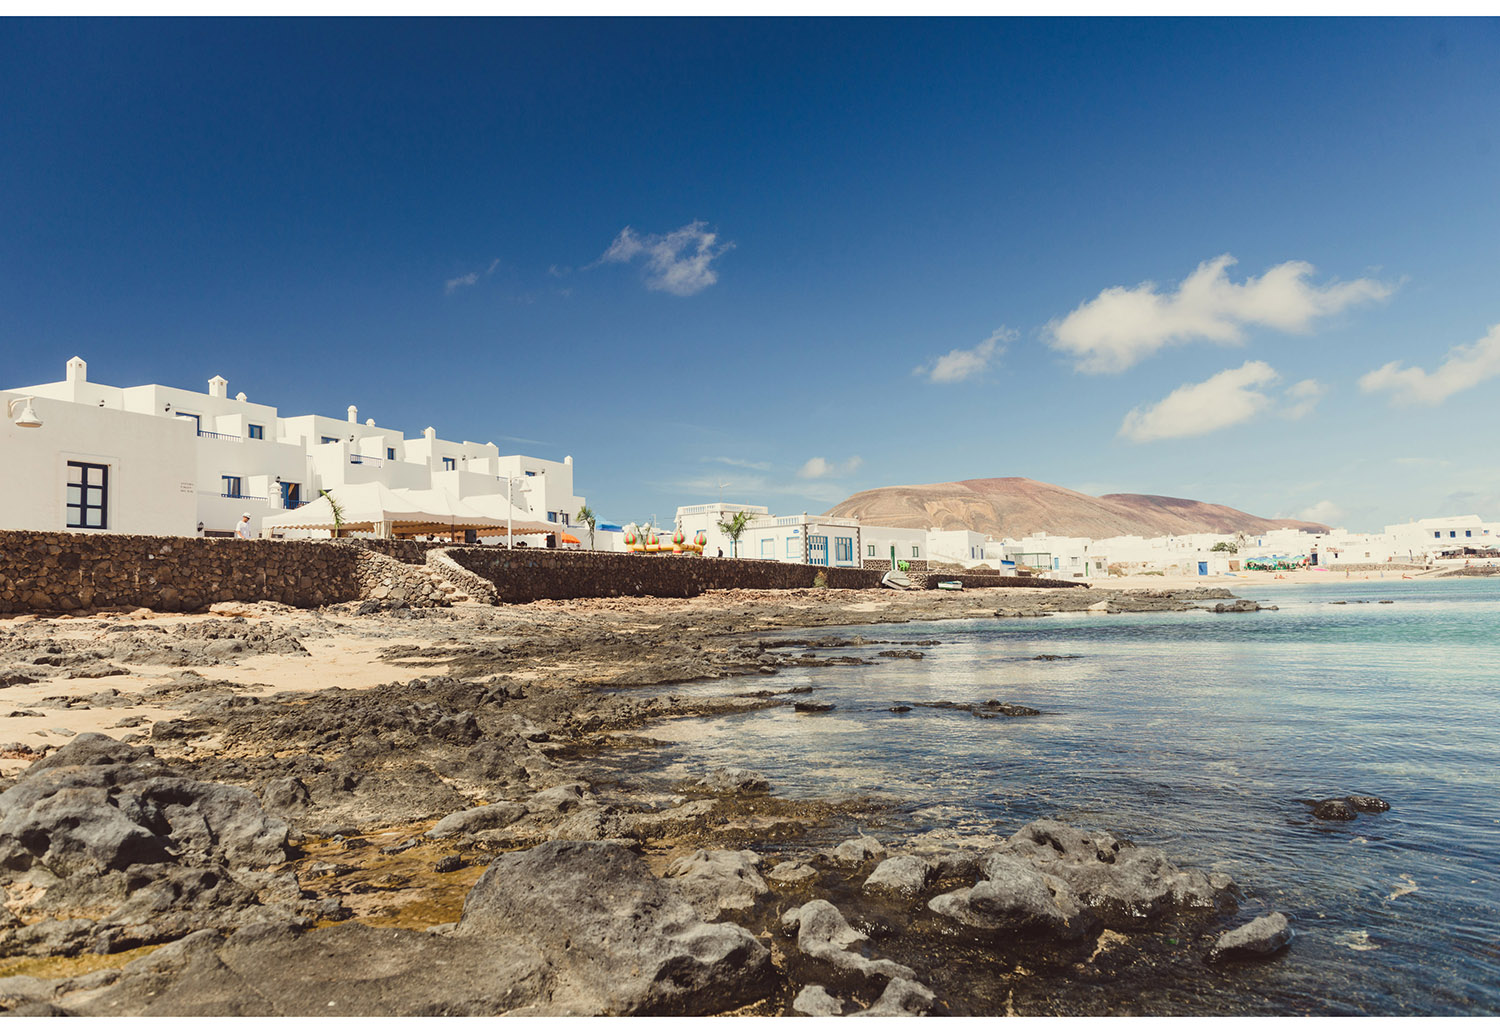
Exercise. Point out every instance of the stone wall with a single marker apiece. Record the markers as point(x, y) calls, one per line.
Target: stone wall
point(991, 580)
point(57, 570)
point(523, 575)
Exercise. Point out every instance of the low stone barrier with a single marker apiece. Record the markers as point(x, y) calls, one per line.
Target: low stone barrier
point(524, 575)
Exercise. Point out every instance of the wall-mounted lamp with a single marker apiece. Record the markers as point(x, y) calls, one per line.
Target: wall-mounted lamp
point(28, 417)
point(167, 407)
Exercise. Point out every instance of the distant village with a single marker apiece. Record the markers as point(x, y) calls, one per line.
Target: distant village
point(154, 460)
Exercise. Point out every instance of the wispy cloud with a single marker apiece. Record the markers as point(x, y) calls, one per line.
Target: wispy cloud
point(1124, 325)
point(742, 463)
point(676, 262)
point(1302, 398)
point(1462, 368)
point(467, 280)
point(963, 363)
point(817, 468)
point(1222, 400)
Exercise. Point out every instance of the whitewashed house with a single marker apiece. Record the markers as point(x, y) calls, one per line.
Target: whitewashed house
point(161, 460)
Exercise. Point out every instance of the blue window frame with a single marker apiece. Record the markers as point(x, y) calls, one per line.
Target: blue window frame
point(291, 495)
point(1468, 534)
point(327, 440)
point(449, 463)
point(768, 548)
point(817, 550)
point(257, 432)
point(197, 420)
point(390, 453)
point(794, 548)
point(551, 516)
point(231, 486)
point(843, 550)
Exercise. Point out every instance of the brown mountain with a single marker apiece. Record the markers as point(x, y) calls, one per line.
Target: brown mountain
point(1012, 507)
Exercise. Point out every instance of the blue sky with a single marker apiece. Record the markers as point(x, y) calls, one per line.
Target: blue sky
point(1247, 261)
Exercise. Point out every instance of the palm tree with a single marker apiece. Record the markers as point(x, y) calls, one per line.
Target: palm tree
point(734, 527)
point(587, 519)
point(338, 512)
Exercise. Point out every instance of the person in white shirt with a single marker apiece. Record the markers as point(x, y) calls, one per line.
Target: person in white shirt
point(243, 528)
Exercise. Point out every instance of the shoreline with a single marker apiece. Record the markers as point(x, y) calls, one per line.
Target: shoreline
point(493, 717)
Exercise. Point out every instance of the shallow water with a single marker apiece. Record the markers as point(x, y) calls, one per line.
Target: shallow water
point(1200, 733)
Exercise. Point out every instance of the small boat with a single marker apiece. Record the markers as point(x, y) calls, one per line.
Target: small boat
point(896, 579)
point(951, 586)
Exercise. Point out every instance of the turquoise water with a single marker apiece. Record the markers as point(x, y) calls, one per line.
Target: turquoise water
point(1200, 733)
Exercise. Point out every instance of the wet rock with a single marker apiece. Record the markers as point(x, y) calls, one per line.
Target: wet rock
point(1239, 606)
point(900, 709)
point(1263, 936)
point(1334, 810)
point(1368, 804)
point(903, 876)
point(1013, 896)
point(902, 998)
point(814, 1000)
point(823, 934)
point(858, 850)
point(715, 881)
point(617, 940)
point(812, 708)
point(792, 872)
point(735, 780)
point(477, 819)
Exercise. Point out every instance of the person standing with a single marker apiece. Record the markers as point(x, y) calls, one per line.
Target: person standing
point(242, 530)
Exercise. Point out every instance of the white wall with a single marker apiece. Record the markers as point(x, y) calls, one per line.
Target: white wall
point(152, 480)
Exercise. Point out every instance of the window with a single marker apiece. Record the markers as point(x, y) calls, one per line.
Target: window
point(916, 551)
point(871, 550)
point(328, 440)
point(1452, 534)
point(793, 548)
point(291, 495)
point(817, 550)
point(551, 516)
point(565, 520)
point(1437, 534)
point(449, 463)
point(88, 495)
point(197, 420)
point(390, 453)
point(257, 432)
point(530, 473)
point(231, 486)
point(768, 548)
point(843, 549)
point(1468, 534)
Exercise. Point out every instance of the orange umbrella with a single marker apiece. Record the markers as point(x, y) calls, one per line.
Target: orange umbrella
point(568, 539)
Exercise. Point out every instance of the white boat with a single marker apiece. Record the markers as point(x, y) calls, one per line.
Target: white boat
point(951, 586)
point(896, 579)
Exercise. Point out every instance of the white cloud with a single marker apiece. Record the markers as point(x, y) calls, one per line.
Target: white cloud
point(467, 280)
point(1222, 400)
point(1124, 325)
point(962, 363)
point(1324, 512)
point(817, 467)
point(1462, 368)
point(677, 262)
point(1302, 397)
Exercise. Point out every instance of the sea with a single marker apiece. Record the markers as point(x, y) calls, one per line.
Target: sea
point(1207, 735)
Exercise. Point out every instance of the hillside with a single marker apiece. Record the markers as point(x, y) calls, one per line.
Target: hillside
point(1011, 507)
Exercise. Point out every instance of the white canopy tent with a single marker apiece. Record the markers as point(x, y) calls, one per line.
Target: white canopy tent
point(393, 512)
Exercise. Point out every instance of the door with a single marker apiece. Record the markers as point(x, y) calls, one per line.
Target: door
point(817, 550)
point(1202, 568)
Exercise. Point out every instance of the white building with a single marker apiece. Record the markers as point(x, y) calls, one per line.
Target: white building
point(705, 519)
point(162, 460)
point(822, 541)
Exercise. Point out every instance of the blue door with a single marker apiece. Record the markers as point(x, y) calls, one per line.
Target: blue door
point(1202, 568)
point(817, 550)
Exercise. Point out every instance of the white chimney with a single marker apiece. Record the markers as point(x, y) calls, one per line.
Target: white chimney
point(218, 387)
point(241, 397)
point(370, 422)
point(353, 414)
point(567, 460)
point(78, 371)
point(430, 433)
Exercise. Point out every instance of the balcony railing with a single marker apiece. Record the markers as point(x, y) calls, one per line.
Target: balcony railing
point(217, 436)
point(356, 459)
